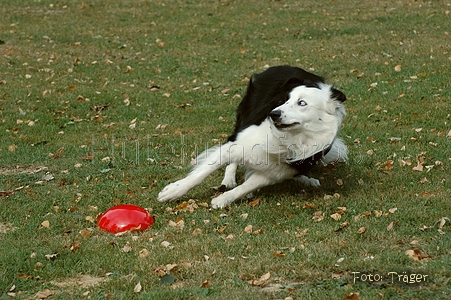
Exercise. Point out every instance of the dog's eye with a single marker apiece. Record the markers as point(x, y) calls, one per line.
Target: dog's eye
point(302, 103)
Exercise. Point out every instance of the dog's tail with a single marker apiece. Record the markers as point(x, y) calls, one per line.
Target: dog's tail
point(337, 153)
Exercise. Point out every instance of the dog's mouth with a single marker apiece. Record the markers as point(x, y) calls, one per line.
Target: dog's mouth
point(285, 126)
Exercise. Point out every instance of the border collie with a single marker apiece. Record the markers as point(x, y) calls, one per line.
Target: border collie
point(287, 122)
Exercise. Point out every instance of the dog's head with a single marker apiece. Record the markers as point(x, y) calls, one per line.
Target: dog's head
point(311, 106)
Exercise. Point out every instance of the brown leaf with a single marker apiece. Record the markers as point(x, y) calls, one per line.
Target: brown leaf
point(74, 247)
point(318, 216)
point(278, 253)
point(258, 231)
point(254, 203)
point(389, 165)
point(160, 271)
point(248, 229)
point(221, 229)
point(144, 253)
point(351, 296)
point(126, 248)
point(309, 205)
point(419, 167)
point(416, 254)
point(6, 193)
point(45, 224)
point(88, 157)
point(261, 281)
point(345, 224)
point(85, 233)
point(336, 216)
point(171, 267)
point(205, 284)
point(361, 230)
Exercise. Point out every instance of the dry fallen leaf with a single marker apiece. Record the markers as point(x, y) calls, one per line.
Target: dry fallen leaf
point(137, 288)
point(258, 231)
point(261, 281)
point(265, 277)
point(328, 197)
point(390, 226)
point(278, 253)
point(248, 229)
point(165, 244)
point(205, 284)
point(389, 164)
point(254, 203)
point(416, 254)
point(45, 224)
point(170, 267)
point(442, 222)
point(309, 205)
point(51, 256)
point(336, 216)
point(393, 210)
point(160, 271)
point(419, 167)
point(85, 233)
point(144, 253)
point(179, 223)
point(126, 248)
point(318, 216)
point(361, 230)
point(345, 224)
point(351, 296)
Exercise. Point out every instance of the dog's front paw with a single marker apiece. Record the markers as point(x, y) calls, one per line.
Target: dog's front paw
point(173, 191)
point(221, 201)
point(229, 182)
point(308, 181)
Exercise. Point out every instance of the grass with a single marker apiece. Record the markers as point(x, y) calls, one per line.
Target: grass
point(114, 97)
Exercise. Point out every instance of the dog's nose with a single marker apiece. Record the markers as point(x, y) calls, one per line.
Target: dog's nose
point(275, 114)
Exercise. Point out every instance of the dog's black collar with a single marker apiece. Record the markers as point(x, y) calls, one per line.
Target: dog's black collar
point(306, 163)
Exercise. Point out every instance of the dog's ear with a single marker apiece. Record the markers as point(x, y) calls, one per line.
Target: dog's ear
point(337, 95)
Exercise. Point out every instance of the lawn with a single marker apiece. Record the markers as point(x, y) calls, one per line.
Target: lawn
point(105, 102)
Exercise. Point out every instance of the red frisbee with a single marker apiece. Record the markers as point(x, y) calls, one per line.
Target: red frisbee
point(125, 217)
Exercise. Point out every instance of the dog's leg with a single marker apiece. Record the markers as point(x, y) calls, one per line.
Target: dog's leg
point(179, 188)
point(255, 181)
point(229, 180)
point(308, 181)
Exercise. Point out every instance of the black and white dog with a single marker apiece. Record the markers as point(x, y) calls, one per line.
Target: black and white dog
point(287, 122)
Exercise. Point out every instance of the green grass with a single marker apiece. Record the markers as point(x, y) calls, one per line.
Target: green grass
point(179, 68)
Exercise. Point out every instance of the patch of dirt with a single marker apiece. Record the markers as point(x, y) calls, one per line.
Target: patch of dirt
point(81, 281)
point(16, 170)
